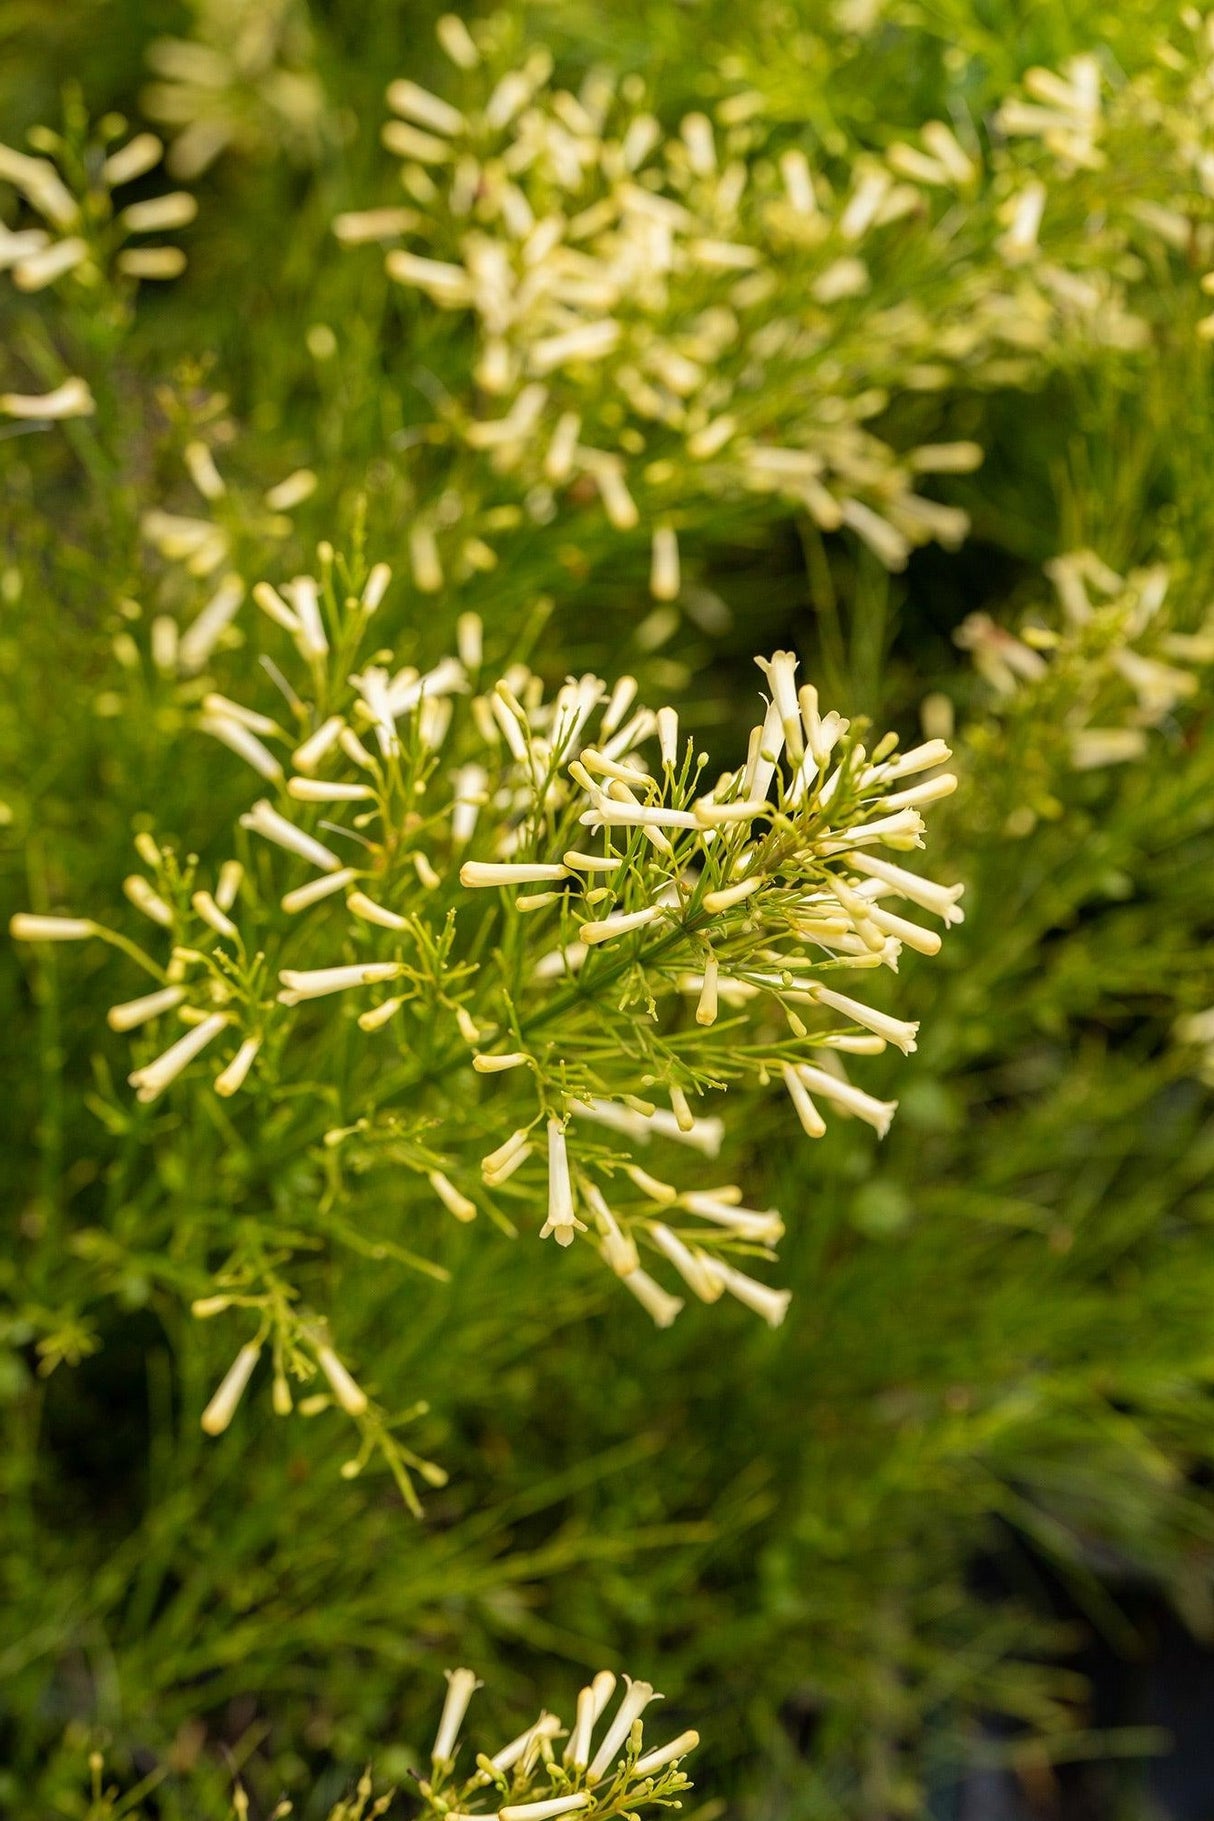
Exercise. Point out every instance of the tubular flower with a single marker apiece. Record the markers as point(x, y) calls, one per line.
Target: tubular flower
point(81, 231)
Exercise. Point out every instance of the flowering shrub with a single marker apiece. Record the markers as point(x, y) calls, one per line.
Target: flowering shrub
point(429, 923)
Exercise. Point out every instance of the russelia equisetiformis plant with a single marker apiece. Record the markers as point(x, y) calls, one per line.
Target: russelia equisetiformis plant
point(528, 944)
point(1087, 678)
point(78, 228)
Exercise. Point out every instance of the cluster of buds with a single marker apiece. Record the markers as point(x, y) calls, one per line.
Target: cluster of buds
point(661, 318)
point(630, 290)
point(1083, 132)
point(243, 82)
point(584, 941)
point(537, 1778)
point(1063, 110)
point(1087, 680)
point(203, 546)
point(73, 227)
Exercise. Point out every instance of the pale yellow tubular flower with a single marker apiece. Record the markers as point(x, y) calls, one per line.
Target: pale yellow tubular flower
point(71, 399)
point(223, 1405)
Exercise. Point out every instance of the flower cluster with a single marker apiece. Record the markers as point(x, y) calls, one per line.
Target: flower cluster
point(244, 81)
point(1088, 679)
point(531, 1780)
point(580, 939)
point(72, 225)
point(1081, 131)
point(547, 1771)
point(206, 551)
point(712, 313)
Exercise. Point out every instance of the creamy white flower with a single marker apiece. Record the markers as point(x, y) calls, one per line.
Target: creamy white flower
point(636, 815)
point(812, 1122)
point(317, 982)
point(729, 895)
point(1093, 747)
point(351, 1396)
point(919, 758)
point(222, 1407)
point(710, 814)
point(40, 183)
point(524, 1748)
point(772, 1305)
point(619, 702)
point(748, 1223)
point(696, 1271)
point(619, 925)
point(231, 1079)
point(311, 638)
point(134, 159)
point(476, 873)
point(424, 109)
point(44, 267)
point(561, 962)
point(447, 285)
point(175, 209)
point(635, 1701)
point(941, 900)
point(424, 559)
point(30, 926)
point(134, 1012)
point(1024, 223)
point(546, 1810)
point(152, 1080)
point(452, 1199)
point(903, 830)
point(325, 790)
point(375, 587)
point(705, 1135)
point(618, 1248)
point(851, 1099)
point(306, 895)
point(205, 907)
point(925, 941)
point(359, 905)
point(562, 1222)
point(781, 670)
point(653, 1298)
point(379, 1015)
point(308, 756)
point(203, 472)
point(151, 262)
point(145, 899)
point(215, 704)
point(654, 1761)
point(893, 1030)
point(590, 1705)
point(461, 1686)
point(276, 609)
point(263, 819)
point(72, 399)
point(454, 37)
point(589, 341)
point(238, 739)
point(706, 1009)
point(930, 791)
point(501, 1164)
